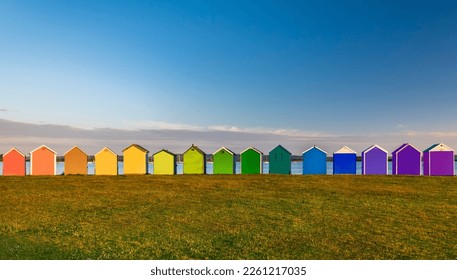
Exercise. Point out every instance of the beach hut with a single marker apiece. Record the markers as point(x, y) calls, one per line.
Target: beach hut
point(224, 161)
point(344, 161)
point(314, 161)
point(43, 161)
point(251, 161)
point(439, 160)
point(406, 160)
point(106, 162)
point(14, 163)
point(279, 160)
point(194, 161)
point(164, 163)
point(135, 160)
point(374, 161)
point(75, 162)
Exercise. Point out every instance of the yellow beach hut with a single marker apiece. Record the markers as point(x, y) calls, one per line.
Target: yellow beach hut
point(106, 162)
point(135, 160)
point(164, 163)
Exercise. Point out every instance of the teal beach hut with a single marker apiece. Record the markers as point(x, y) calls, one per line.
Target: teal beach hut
point(224, 161)
point(251, 161)
point(314, 161)
point(279, 159)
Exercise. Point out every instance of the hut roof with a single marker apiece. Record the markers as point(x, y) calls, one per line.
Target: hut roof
point(254, 149)
point(314, 147)
point(136, 146)
point(373, 147)
point(165, 151)
point(225, 149)
point(74, 147)
point(13, 149)
point(43, 146)
point(399, 149)
point(282, 148)
point(345, 150)
point(438, 147)
point(195, 148)
point(106, 148)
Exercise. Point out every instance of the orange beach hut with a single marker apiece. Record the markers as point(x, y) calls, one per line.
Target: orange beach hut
point(106, 162)
point(75, 161)
point(43, 161)
point(14, 163)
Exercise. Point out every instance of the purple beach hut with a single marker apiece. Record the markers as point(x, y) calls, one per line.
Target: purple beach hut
point(374, 161)
point(439, 160)
point(406, 160)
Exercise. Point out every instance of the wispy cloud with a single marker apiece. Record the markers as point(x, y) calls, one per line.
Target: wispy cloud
point(178, 137)
point(3, 110)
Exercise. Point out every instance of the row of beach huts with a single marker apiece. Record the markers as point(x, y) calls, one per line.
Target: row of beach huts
point(438, 160)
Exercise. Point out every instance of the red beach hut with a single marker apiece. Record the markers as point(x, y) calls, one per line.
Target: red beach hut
point(14, 163)
point(43, 161)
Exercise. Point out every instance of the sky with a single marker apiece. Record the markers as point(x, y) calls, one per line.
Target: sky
point(227, 73)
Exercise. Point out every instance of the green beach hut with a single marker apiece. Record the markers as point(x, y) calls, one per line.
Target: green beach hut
point(279, 159)
point(164, 163)
point(194, 161)
point(251, 161)
point(224, 161)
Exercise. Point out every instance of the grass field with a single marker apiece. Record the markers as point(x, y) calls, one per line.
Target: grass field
point(228, 217)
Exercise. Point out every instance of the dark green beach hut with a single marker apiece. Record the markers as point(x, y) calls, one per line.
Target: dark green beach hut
point(194, 161)
point(279, 159)
point(224, 161)
point(251, 161)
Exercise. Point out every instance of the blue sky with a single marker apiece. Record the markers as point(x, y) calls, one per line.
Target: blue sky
point(287, 67)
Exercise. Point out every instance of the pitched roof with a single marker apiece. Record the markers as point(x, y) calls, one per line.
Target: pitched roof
point(106, 148)
point(43, 146)
point(345, 150)
point(74, 147)
point(13, 149)
point(225, 149)
point(164, 151)
point(195, 148)
point(373, 147)
point(282, 148)
point(136, 146)
point(438, 147)
point(254, 149)
point(399, 149)
point(314, 147)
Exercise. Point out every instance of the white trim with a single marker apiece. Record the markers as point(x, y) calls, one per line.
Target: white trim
point(441, 145)
point(252, 148)
point(345, 150)
point(31, 158)
point(103, 149)
point(257, 151)
point(13, 149)
point(375, 146)
point(406, 145)
point(225, 149)
point(313, 148)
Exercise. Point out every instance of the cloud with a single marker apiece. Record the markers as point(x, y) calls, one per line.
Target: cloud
point(3, 110)
point(178, 137)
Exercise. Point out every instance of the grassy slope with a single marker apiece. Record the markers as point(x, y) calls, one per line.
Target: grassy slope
point(228, 217)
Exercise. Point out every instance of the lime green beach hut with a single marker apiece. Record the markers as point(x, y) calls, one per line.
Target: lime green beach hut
point(224, 161)
point(164, 163)
point(194, 161)
point(279, 159)
point(251, 161)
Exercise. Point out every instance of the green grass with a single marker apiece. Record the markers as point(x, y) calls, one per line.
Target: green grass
point(228, 217)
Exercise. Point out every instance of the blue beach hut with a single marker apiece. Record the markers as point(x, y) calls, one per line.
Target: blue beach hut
point(344, 161)
point(314, 161)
